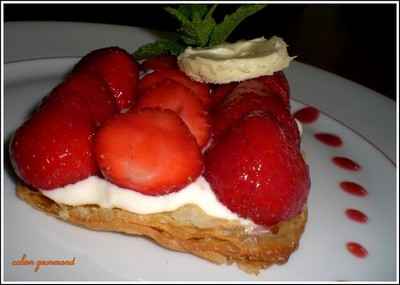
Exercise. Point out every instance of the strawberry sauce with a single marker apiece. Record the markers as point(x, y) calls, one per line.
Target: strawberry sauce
point(307, 115)
point(329, 139)
point(346, 163)
point(353, 188)
point(356, 216)
point(356, 249)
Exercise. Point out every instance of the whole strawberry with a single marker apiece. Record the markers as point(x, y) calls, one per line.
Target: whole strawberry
point(160, 62)
point(117, 68)
point(54, 147)
point(277, 84)
point(238, 105)
point(83, 92)
point(257, 172)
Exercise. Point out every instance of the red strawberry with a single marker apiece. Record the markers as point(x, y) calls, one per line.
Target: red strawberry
point(86, 90)
point(54, 148)
point(239, 105)
point(248, 86)
point(219, 93)
point(160, 62)
point(257, 172)
point(150, 151)
point(117, 68)
point(277, 84)
point(176, 97)
point(200, 90)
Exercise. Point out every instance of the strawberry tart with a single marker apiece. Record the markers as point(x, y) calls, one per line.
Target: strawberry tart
point(204, 164)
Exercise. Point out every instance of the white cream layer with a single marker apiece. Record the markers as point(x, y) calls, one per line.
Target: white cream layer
point(98, 191)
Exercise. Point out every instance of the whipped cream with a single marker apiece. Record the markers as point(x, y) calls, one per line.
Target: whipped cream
point(229, 62)
point(299, 126)
point(98, 191)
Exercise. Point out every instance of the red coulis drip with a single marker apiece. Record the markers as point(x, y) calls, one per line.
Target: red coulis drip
point(353, 188)
point(357, 249)
point(346, 163)
point(307, 115)
point(329, 139)
point(356, 216)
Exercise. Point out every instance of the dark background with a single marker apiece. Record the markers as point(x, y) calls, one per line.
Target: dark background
point(356, 41)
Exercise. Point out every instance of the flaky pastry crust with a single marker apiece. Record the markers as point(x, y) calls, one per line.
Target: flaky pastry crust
point(187, 229)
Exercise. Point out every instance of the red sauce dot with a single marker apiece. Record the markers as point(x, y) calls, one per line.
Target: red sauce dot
point(353, 188)
point(346, 163)
point(307, 115)
point(357, 249)
point(356, 216)
point(329, 139)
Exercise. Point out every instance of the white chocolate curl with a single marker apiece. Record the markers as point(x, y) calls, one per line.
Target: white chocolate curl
point(230, 62)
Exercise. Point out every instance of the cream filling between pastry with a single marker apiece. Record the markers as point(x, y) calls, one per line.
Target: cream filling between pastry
point(98, 191)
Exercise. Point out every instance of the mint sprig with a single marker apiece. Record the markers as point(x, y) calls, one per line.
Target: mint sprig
point(197, 23)
point(198, 28)
point(163, 46)
point(222, 31)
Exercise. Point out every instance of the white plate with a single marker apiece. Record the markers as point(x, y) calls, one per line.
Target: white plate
point(110, 256)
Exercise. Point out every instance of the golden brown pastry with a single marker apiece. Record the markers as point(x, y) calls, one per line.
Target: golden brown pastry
point(187, 229)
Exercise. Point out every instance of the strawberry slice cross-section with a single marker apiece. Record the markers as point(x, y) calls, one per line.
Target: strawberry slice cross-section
point(150, 151)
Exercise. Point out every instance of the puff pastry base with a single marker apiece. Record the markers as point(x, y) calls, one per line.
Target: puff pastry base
point(187, 229)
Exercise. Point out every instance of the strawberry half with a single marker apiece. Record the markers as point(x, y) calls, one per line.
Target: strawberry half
point(257, 172)
point(227, 114)
point(219, 92)
point(150, 151)
point(277, 84)
point(176, 97)
point(54, 148)
point(84, 92)
point(200, 90)
point(161, 62)
point(117, 68)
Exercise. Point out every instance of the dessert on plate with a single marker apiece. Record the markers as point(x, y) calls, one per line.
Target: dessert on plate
point(197, 151)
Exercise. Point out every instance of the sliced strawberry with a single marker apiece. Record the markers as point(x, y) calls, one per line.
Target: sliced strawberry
point(278, 84)
point(54, 148)
point(117, 68)
point(219, 92)
point(86, 90)
point(161, 62)
point(241, 104)
point(150, 151)
point(248, 86)
point(200, 90)
point(176, 97)
point(263, 175)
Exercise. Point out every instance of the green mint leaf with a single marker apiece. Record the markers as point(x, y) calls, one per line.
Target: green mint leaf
point(159, 47)
point(185, 10)
point(197, 23)
point(211, 11)
point(198, 11)
point(189, 40)
point(222, 31)
point(197, 28)
point(188, 31)
point(182, 15)
point(204, 27)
